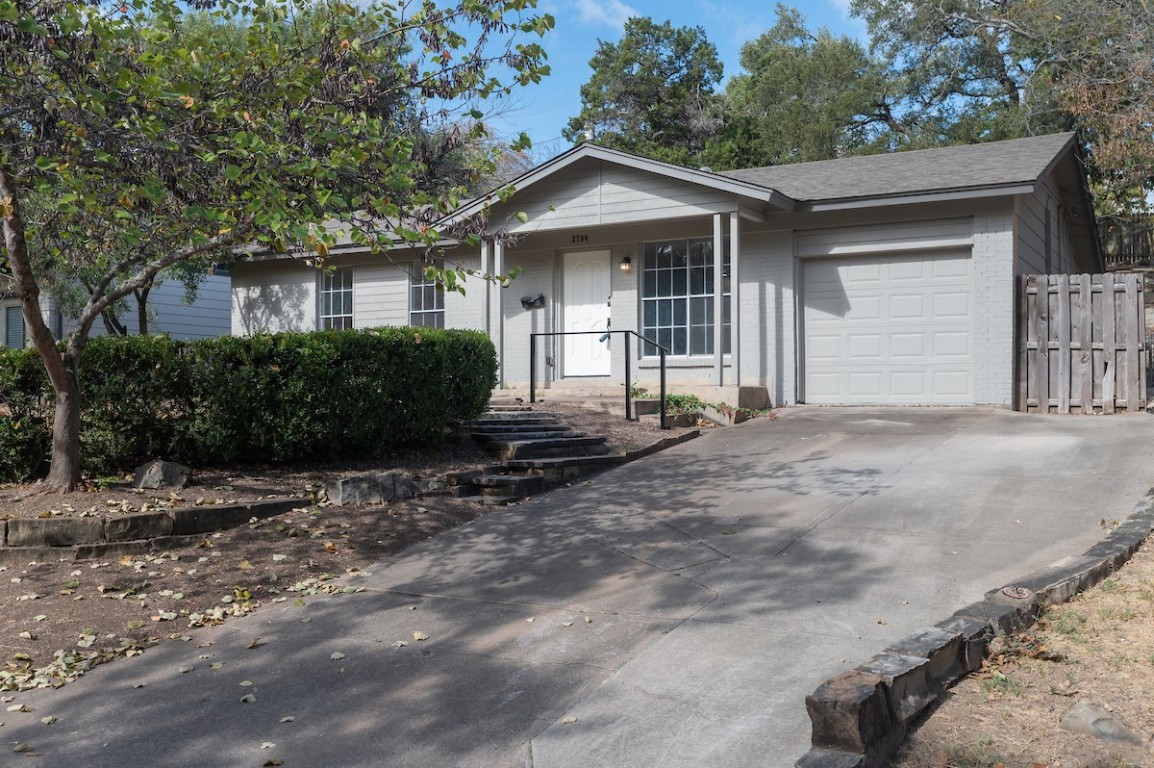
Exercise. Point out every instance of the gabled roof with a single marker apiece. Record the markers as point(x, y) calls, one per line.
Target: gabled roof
point(739, 187)
point(996, 167)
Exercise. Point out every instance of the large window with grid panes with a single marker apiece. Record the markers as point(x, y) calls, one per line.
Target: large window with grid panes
point(336, 299)
point(426, 299)
point(677, 297)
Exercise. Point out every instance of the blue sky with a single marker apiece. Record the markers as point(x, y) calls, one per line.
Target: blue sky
point(543, 110)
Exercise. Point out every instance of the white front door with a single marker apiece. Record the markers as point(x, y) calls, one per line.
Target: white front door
point(585, 288)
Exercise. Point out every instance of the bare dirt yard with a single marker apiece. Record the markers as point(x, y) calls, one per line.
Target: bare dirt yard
point(57, 619)
point(1097, 649)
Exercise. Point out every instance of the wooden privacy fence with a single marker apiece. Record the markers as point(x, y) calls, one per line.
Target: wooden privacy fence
point(1081, 343)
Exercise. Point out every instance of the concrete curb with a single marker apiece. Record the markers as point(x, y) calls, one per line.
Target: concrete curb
point(861, 717)
point(25, 540)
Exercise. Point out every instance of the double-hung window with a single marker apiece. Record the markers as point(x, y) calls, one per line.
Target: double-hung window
point(677, 297)
point(426, 299)
point(337, 299)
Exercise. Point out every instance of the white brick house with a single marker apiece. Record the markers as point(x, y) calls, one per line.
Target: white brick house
point(879, 279)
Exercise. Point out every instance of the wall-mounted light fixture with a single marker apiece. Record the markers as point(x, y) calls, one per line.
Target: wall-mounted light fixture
point(533, 302)
point(626, 264)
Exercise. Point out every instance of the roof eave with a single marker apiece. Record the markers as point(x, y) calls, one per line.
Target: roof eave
point(843, 204)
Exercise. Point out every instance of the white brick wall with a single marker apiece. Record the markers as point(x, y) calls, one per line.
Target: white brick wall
point(993, 310)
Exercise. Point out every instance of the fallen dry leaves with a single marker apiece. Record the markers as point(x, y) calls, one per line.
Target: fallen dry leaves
point(1097, 648)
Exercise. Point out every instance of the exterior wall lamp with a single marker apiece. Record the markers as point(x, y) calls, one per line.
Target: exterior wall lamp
point(626, 264)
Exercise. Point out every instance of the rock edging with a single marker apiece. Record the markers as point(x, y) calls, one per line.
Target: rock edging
point(23, 540)
point(860, 717)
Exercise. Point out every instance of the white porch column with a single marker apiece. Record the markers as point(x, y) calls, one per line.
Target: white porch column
point(718, 293)
point(734, 299)
point(498, 331)
point(487, 312)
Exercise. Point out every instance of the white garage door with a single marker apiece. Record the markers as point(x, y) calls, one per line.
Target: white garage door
point(888, 330)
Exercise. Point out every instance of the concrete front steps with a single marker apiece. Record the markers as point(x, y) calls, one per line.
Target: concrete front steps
point(536, 451)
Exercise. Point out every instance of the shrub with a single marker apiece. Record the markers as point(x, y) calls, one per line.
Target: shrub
point(286, 397)
point(24, 434)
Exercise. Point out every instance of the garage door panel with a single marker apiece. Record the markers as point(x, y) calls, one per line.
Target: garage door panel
point(952, 344)
point(864, 384)
point(951, 305)
point(910, 384)
point(907, 270)
point(825, 347)
point(907, 345)
point(902, 337)
point(907, 306)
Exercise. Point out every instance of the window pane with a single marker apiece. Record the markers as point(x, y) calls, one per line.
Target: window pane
point(649, 285)
point(697, 311)
point(650, 258)
point(680, 256)
point(665, 256)
point(665, 312)
point(680, 278)
point(698, 337)
point(665, 282)
point(679, 338)
point(679, 312)
point(664, 337)
point(649, 314)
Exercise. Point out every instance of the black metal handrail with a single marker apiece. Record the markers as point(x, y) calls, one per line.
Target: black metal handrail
point(628, 369)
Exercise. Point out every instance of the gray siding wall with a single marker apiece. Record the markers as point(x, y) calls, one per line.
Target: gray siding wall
point(273, 296)
point(1030, 233)
point(466, 311)
point(380, 295)
point(592, 193)
point(537, 277)
point(993, 336)
point(207, 317)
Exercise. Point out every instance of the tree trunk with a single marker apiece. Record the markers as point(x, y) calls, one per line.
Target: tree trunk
point(65, 470)
point(142, 309)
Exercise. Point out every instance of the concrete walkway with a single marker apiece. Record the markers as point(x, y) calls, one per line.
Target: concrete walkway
point(671, 612)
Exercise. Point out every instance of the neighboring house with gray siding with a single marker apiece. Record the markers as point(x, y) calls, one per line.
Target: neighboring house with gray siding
point(881, 279)
point(205, 318)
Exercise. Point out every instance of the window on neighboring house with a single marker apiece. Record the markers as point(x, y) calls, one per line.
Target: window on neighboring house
point(337, 299)
point(13, 327)
point(677, 297)
point(426, 300)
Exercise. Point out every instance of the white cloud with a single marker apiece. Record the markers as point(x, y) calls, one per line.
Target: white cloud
point(612, 13)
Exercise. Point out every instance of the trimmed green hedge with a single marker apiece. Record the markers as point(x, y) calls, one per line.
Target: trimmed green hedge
point(287, 397)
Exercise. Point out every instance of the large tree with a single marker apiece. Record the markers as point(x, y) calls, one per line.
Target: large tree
point(986, 69)
point(652, 92)
point(807, 95)
point(185, 136)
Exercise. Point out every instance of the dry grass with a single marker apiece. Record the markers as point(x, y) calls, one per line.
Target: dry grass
point(1097, 648)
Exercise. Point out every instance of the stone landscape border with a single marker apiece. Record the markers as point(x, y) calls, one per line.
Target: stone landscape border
point(39, 539)
point(862, 716)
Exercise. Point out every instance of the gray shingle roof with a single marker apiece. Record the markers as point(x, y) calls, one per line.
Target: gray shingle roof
point(917, 172)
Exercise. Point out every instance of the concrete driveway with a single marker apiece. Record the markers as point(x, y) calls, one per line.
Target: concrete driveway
point(671, 612)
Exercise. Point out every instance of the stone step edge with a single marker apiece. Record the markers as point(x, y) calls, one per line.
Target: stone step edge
point(84, 534)
point(859, 718)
